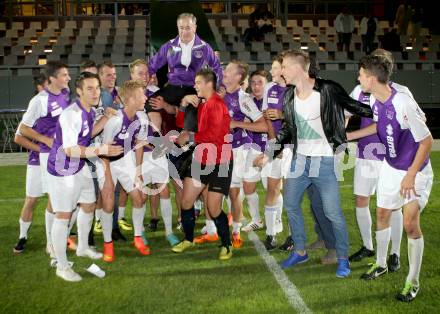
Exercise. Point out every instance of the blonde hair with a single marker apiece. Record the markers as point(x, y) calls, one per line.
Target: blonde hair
point(300, 56)
point(136, 63)
point(243, 69)
point(128, 87)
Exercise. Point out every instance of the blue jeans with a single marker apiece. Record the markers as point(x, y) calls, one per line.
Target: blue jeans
point(319, 171)
point(323, 226)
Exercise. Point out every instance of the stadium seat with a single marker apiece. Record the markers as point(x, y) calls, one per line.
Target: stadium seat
point(70, 25)
point(264, 56)
point(323, 24)
point(74, 58)
point(307, 23)
point(122, 24)
point(35, 25)
point(226, 23)
point(292, 23)
point(140, 24)
point(87, 25)
point(332, 66)
point(257, 46)
point(17, 25)
point(409, 66)
point(244, 56)
point(53, 25)
point(341, 56)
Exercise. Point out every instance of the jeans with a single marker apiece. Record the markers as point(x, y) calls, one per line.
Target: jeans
point(320, 172)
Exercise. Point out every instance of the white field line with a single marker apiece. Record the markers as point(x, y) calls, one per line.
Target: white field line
point(289, 289)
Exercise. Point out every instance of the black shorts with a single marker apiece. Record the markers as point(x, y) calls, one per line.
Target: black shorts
point(172, 94)
point(218, 179)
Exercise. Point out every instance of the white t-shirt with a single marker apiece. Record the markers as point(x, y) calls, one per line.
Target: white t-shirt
point(186, 52)
point(310, 132)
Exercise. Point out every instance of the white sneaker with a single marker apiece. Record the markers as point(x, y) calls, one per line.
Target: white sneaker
point(204, 230)
point(53, 263)
point(90, 253)
point(50, 250)
point(68, 274)
point(253, 226)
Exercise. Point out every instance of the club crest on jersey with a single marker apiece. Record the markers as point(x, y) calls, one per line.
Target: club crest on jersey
point(198, 54)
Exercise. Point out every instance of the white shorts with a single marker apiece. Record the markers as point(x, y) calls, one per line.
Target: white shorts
point(366, 174)
point(44, 174)
point(286, 161)
point(122, 170)
point(154, 170)
point(251, 173)
point(388, 187)
point(275, 168)
point(34, 187)
point(66, 192)
point(243, 169)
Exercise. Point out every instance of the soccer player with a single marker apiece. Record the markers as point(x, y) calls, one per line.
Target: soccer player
point(314, 123)
point(211, 166)
point(69, 182)
point(39, 121)
point(368, 163)
point(405, 178)
point(127, 129)
point(257, 81)
point(245, 117)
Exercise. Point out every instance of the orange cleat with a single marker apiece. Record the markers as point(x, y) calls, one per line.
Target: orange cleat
point(140, 246)
point(109, 254)
point(237, 242)
point(204, 238)
point(71, 245)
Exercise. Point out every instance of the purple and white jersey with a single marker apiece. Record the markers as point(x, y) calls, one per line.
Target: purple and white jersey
point(273, 98)
point(43, 113)
point(367, 146)
point(400, 127)
point(241, 108)
point(171, 53)
point(124, 132)
point(33, 156)
point(257, 137)
point(74, 128)
point(150, 90)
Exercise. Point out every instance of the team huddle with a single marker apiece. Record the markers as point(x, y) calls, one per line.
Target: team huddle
point(204, 134)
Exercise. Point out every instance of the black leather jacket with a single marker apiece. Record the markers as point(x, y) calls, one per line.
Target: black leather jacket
point(334, 99)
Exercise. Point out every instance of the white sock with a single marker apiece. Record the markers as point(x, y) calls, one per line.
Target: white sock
point(107, 225)
point(253, 202)
point(73, 218)
point(382, 240)
point(84, 224)
point(49, 217)
point(60, 228)
point(121, 213)
point(98, 213)
point(211, 229)
point(415, 255)
point(166, 211)
point(24, 227)
point(363, 218)
point(138, 220)
point(396, 225)
point(236, 227)
point(279, 218)
point(270, 215)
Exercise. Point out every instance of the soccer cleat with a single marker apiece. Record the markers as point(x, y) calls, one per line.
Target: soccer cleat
point(140, 246)
point(50, 250)
point(71, 245)
point(361, 254)
point(172, 239)
point(237, 242)
point(225, 253)
point(90, 253)
point(109, 254)
point(152, 226)
point(271, 243)
point(329, 258)
point(203, 238)
point(318, 244)
point(125, 225)
point(144, 238)
point(97, 228)
point(374, 272)
point(294, 259)
point(252, 226)
point(117, 235)
point(68, 274)
point(19, 247)
point(343, 269)
point(408, 293)
point(288, 244)
point(393, 263)
point(182, 246)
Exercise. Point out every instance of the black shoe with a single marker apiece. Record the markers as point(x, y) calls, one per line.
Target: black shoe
point(287, 245)
point(152, 226)
point(408, 293)
point(393, 263)
point(374, 272)
point(271, 243)
point(117, 235)
point(361, 254)
point(19, 248)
